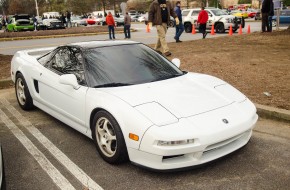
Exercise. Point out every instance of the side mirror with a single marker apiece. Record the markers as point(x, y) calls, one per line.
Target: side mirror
point(69, 79)
point(176, 62)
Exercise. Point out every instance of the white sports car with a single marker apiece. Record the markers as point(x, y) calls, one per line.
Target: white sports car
point(134, 103)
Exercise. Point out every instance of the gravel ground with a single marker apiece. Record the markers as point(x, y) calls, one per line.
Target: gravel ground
point(256, 64)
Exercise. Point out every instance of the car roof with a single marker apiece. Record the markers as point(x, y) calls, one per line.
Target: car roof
point(102, 43)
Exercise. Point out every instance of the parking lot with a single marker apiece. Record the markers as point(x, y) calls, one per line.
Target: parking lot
point(40, 152)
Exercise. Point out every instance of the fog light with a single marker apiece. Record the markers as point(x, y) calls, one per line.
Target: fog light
point(175, 143)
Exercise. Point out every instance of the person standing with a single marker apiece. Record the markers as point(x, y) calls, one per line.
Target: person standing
point(68, 18)
point(266, 6)
point(202, 20)
point(271, 14)
point(179, 28)
point(159, 16)
point(127, 26)
point(111, 25)
point(34, 22)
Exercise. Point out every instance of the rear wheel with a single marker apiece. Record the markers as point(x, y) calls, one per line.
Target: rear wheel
point(187, 27)
point(108, 138)
point(219, 28)
point(22, 93)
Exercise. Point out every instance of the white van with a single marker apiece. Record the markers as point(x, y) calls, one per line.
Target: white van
point(51, 15)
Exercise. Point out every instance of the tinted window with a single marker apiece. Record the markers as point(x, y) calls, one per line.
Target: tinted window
point(185, 13)
point(218, 12)
point(69, 61)
point(195, 13)
point(127, 64)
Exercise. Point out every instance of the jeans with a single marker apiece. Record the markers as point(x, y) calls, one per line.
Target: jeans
point(127, 31)
point(179, 29)
point(270, 23)
point(111, 31)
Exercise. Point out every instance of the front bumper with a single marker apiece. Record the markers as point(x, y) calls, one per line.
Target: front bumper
point(211, 141)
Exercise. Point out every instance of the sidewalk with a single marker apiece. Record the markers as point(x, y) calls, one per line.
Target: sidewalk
point(262, 110)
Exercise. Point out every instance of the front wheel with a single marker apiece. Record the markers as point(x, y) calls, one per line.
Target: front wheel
point(219, 28)
point(22, 93)
point(171, 23)
point(108, 138)
point(187, 27)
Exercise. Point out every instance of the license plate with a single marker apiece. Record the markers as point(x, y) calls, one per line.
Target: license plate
point(25, 28)
point(57, 25)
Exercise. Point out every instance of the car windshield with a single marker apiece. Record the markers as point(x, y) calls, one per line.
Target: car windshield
point(126, 65)
point(76, 18)
point(185, 13)
point(218, 12)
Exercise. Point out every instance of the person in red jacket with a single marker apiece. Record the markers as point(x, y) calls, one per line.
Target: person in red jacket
point(202, 20)
point(111, 24)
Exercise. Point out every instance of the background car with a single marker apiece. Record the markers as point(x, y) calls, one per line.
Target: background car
point(136, 105)
point(77, 21)
point(238, 13)
point(258, 15)
point(252, 13)
point(221, 20)
point(284, 17)
point(21, 22)
point(52, 24)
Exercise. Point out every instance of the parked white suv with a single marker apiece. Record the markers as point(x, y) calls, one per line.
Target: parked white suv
point(219, 18)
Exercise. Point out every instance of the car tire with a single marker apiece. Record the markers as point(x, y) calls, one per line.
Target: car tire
point(22, 93)
point(3, 185)
point(219, 28)
point(108, 138)
point(187, 27)
point(274, 23)
point(171, 23)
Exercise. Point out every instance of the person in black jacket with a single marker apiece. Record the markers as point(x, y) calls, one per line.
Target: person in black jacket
point(271, 14)
point(266, 6)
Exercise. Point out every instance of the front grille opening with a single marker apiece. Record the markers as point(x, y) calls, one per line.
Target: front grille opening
point(174, 156)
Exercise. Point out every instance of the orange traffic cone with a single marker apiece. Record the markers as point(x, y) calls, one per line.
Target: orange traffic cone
point(231, 30)
point(148, 28)
point(249, 29)
point(193, 29)
point(240, 30)
point(212, 30)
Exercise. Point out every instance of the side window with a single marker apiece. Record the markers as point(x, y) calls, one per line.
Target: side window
point(69, 61)
point(61, 60)
point(195, 13)
point(209, 13)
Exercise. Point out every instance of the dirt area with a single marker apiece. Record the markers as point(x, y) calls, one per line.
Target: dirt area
point(74, 30)
point(255, 63)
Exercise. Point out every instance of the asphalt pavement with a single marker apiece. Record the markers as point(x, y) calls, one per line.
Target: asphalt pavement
point(35, 146)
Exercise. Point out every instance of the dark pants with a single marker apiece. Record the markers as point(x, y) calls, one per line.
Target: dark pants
point(202, 29)
point(179, 30)
point(270, 23)
point(111, 31)
point(127, 31)
point(265, 22)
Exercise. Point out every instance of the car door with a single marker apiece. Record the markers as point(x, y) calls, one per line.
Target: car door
point(63, 101)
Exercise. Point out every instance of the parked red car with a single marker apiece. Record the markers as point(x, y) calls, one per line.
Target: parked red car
point(252, 13)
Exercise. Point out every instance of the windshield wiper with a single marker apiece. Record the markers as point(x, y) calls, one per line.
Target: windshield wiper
point(168, 77)
point(114, 84)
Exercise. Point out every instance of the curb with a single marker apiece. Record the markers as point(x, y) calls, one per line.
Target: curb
point(59, 36)
point(262, 110)
point(273, 113)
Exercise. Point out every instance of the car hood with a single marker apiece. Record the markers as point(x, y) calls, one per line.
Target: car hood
point(183, 96)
